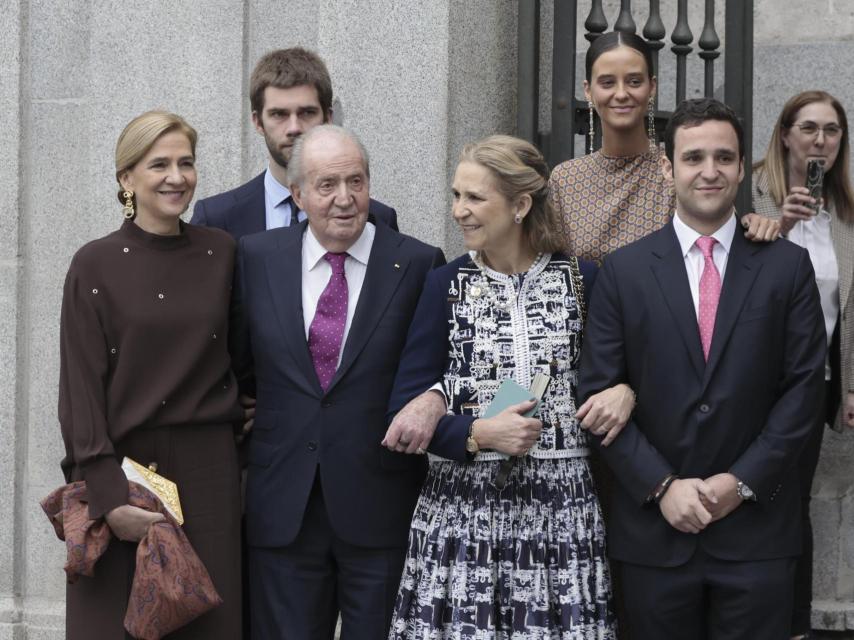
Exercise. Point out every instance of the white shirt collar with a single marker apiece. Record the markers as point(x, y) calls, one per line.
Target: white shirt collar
point(276, 189)
point(688, 236)
point(359, 250)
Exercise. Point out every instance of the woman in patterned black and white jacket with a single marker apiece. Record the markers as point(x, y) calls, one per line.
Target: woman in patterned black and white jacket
point(527, 561)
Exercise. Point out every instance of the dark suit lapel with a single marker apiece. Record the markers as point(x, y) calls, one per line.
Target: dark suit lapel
point(252, 209)
point(386, 268)
point(741, 272)
point(284, 277)
point(669, 269)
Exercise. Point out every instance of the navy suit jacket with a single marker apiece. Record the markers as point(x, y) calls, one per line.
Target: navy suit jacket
point(300, 430)
point(747, 411)
point(242, 211)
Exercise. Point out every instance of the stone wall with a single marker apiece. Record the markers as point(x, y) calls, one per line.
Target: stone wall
point(415, 80)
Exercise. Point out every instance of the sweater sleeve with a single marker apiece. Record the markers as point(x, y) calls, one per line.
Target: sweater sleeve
point(84, 365)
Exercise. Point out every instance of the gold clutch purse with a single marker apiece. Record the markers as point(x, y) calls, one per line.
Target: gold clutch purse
point(165, 490)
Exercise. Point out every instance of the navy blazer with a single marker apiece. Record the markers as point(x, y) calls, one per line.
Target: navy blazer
point(300, 430)
point(425, 357)
point(242, 211)
point(747, 411)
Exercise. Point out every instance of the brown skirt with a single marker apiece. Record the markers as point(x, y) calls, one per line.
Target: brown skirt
point(202, 460)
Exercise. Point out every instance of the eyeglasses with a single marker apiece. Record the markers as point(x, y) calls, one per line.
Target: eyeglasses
point(808, 128)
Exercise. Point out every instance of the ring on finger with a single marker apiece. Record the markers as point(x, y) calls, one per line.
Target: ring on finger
point(420, 451)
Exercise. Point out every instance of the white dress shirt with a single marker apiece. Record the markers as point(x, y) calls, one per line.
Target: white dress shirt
point(277, 210)
point(814, 236)
point(694, 260)
point(316, 273)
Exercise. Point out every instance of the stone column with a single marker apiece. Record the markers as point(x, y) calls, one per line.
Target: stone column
point(11, 501)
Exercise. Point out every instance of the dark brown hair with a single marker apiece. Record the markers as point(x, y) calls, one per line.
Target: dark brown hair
point(608, 41)
point(288, 68)
point(692, 113)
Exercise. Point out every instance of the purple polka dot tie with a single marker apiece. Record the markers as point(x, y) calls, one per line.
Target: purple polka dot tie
point(710, 293)
point(327, 328)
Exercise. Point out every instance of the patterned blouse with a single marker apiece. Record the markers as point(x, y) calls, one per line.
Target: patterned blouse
point(503, 327)
point(606, 203)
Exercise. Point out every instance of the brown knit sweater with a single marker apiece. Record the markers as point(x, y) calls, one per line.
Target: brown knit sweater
point(143, 344)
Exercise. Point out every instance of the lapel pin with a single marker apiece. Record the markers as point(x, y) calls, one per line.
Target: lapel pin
point(396, 266)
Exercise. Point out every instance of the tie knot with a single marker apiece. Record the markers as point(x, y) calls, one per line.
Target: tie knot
point(706, 244)
point(336, 261)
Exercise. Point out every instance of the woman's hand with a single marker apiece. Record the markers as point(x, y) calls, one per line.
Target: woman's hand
point(607, 412)
point(248, 404)
point(798, 205)
point(759, 228)
point(131, 523)
point(848, 410)
point(509, 432)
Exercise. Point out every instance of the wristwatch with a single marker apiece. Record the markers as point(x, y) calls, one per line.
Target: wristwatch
point(472, 446)
point(744, 492)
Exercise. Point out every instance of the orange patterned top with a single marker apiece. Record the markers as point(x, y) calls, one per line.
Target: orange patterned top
point(606, 203)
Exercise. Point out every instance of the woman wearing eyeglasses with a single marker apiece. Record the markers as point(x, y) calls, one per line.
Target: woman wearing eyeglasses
point(811, 126)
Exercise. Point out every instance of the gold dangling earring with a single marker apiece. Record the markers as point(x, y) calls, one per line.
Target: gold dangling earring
point(650, 124)
point(591, 131)
point(128, 211)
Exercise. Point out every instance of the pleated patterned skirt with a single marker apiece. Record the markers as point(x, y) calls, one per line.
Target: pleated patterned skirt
point(523, 564)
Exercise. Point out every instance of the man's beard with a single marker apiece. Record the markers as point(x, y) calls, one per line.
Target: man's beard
point(276, 153)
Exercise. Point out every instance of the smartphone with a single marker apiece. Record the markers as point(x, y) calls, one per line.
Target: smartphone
point(815, 180)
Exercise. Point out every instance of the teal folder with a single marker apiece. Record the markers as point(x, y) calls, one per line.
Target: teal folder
point(509, 393)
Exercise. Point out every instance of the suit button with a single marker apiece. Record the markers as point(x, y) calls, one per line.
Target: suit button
point(326, 404)
point(704, 408)
point(312, 445)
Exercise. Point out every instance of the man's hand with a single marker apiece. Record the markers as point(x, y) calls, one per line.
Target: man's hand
point(848, 410)
point(248, 404)
point(413, 426)
point(130, 523)
point(682, 505)
point(759, 228)
point(724, 485)
point(607, 412)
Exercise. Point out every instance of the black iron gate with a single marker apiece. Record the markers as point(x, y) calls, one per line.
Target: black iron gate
point(569, 114)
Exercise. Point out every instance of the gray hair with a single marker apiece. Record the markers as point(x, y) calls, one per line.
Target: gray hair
point(296, 170)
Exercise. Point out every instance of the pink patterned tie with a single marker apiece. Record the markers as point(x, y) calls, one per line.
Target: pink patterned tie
point(710, 293)
point(327, 328)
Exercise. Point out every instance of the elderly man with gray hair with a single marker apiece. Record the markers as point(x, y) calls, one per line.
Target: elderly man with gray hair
point(321, 313)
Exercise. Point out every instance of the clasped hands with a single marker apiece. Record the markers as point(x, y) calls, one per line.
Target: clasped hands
point(691, 504)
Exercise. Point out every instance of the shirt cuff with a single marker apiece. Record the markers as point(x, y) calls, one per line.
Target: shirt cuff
point(439, 387)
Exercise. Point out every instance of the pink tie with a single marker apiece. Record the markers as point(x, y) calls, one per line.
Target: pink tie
point(710, 293)
point(327, 328)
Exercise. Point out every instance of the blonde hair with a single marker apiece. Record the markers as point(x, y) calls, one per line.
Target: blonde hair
point(519, 169)
point(141, 133)
point(775, 164)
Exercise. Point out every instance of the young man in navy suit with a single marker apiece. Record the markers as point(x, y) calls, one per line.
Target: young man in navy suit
point(722, 340)
point(321, 314)
point(290, 92)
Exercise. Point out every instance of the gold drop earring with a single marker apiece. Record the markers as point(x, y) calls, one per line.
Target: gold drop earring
point(128, 210)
